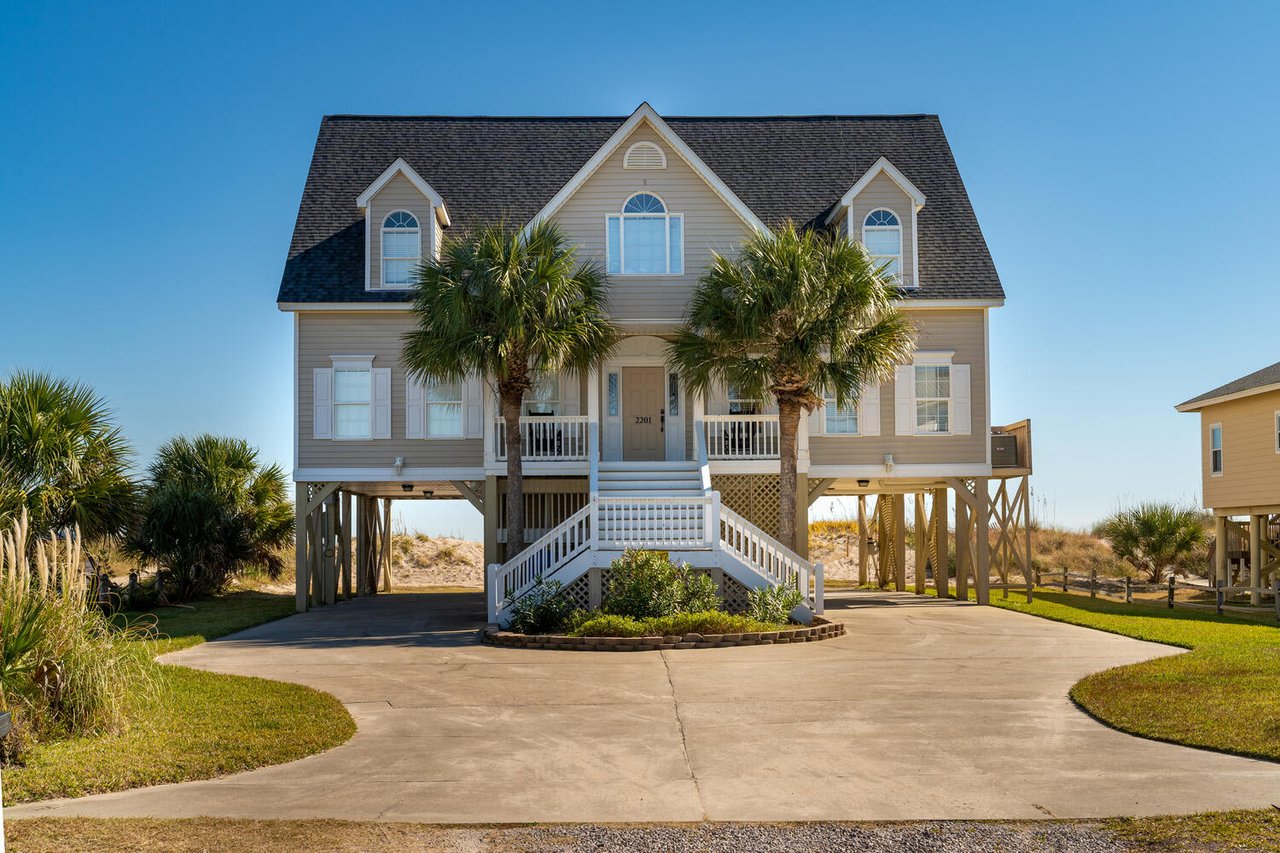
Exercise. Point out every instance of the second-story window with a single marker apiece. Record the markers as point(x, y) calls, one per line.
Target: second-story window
point(1215, 449)
point(741, 405)
point(352, 403)
point(840, 420)
point(401, 248)
point(544, 397)
point(443, 409)
point(882, 235)
point(933, 397)
point(645, 238)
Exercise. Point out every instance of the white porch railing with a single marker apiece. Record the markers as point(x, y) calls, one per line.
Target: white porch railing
point(741, 436)
point(561, 544)
point(658, 523)
point(553, 438)
point(770, 557)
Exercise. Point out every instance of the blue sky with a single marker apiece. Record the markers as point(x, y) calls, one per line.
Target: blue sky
point(1121, 159)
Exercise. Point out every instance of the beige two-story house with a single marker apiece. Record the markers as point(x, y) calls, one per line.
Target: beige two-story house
point(1240, 474)
point(625, 455)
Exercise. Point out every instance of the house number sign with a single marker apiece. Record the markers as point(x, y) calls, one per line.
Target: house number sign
point(644, 419)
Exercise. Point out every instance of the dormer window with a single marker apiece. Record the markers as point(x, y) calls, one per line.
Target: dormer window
point(882, 235)
point(645, 238)
point(401, 248)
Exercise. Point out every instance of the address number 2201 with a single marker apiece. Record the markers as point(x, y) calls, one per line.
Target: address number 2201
point(644, 419)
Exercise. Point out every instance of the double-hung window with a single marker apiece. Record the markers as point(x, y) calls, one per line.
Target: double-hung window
point(401, 248)
point(443, 409)
point(1215, 449)
point(645, 238)
point(933, 398)
point(352, 402)
point(741, 405)
point(882, 235)
point(544, 397)
point(839, 420)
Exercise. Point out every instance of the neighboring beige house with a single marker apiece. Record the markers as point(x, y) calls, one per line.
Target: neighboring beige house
point(626, 455)
point(1240, 466)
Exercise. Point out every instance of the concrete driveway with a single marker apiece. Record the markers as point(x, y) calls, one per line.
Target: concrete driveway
point(925, 709)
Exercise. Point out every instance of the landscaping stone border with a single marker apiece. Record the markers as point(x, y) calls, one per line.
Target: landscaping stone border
point(821, 629)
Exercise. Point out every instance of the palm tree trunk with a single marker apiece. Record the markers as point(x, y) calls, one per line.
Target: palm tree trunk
point(788, 426)
point(512, 403)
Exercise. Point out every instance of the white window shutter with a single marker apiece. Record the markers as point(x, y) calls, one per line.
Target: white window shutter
point(904, 399)
point(322, 403)
point(817, 419)
point(415, 410)
point(381, 401)
point(473, 404)
point(869, 411)
point(961, 409)
point(569, 396)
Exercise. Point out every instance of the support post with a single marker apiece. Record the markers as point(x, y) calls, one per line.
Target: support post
point(1275, 598)
point(491, 517)
point(1093, 583)
point(344, 543)
point(1255, 559)
point(386, 552)
point(301, 566)
point(362, 542)
point(1172, 587)
point(1219, 571)
point(962, 548)
point(922, 543)
point(864, 541)
point(1222, 592)
point(900, 542)
point(982, 536)
point(942, 568)
point(1128, 590)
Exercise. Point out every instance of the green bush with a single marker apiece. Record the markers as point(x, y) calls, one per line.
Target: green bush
point(646, 584)
point(707, 622)
point(541, 609)
point(773, 603)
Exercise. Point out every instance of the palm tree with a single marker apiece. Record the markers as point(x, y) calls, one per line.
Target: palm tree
point(211, 511)
point(509, 304)
point(62, 457)
point(1155, 537)
point(798, 314)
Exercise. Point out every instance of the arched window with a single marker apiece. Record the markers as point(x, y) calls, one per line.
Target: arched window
point(645, 238)
point(401, 248)
point(882, 235)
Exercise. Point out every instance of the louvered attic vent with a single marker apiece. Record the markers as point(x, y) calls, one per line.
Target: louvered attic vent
point(644, 155)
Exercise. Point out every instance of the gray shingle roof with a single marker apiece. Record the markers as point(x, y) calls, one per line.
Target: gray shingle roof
point(781, 167)
point(1258, 379)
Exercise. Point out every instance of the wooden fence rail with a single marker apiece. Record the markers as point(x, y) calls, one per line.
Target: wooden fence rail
point(1126, 587)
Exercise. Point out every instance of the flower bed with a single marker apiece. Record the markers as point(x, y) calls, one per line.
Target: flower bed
point(821, 629)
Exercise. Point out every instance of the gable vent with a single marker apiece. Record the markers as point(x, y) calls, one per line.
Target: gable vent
point(644, 155)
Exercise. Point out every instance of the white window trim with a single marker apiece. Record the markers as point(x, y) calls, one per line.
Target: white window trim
point(622, 238)
point(350, 362)
point(646, 143)
point(879, 260)
point(382, 249)
point(1222, 449)
point(857, 418)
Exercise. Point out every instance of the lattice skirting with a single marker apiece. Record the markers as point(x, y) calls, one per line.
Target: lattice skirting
point(733, 593)
point(752, 496)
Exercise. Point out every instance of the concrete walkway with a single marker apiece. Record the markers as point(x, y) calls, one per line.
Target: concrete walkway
point(925, 709)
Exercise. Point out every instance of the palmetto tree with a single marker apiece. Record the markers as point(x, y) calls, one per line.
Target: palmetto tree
point(798, 314)
point(509, 304)
point(1155, 537)
point(62, 457)
point(211, 511)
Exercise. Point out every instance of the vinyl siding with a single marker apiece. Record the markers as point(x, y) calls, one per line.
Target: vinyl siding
point(709, 226)
point(398, 194)
point(321, 335)
point(1250, 464)
point(883, 192)
point(961, 330)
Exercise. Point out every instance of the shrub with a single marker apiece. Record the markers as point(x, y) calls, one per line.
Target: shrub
point(679, 624)
point(210, 512)
point(541, 609)
point(1155, 537)
point(647, 583)
point(773, 603)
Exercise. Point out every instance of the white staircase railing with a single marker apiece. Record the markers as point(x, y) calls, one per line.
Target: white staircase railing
point(658, 522)
point(770, 557)
point(510, 580)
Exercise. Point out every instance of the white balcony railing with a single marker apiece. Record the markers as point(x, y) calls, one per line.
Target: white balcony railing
point(741, 436)
point(550, 438)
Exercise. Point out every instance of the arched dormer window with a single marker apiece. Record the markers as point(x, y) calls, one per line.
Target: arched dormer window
point(645, 238)
point(401, 248)
point(882, 235)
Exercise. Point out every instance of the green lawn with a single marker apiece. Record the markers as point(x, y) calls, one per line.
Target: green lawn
point(198, 724)
point(1224, 694)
